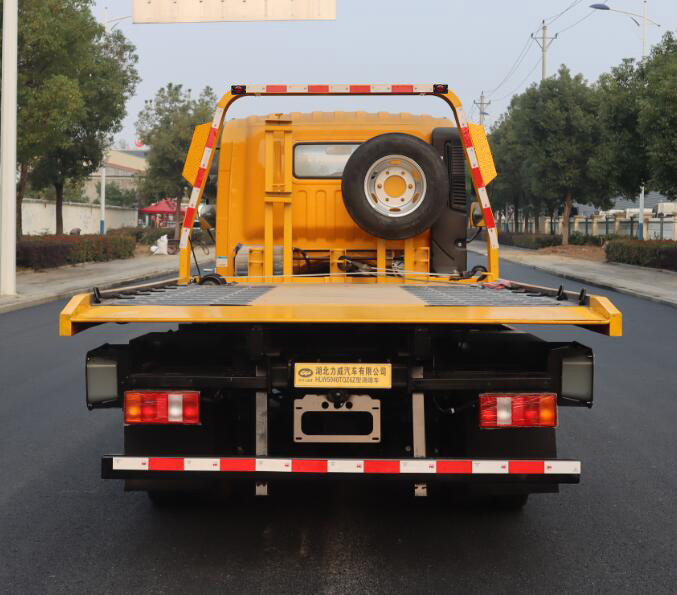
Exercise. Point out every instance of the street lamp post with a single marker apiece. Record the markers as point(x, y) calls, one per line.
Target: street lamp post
point(10, 17)
point(102, 192)
point(645, 20)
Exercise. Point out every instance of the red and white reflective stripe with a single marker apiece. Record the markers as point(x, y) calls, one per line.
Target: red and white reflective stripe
point(357, 89)
point(200, 178)
point(477, 177)
point(364, 466)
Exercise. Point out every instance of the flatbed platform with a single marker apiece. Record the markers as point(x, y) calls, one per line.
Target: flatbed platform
point(421, 303)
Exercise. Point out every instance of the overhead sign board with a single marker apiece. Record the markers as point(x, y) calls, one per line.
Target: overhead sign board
point(204, 11)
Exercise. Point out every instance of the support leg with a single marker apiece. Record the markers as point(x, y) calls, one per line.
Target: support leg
point(261, 430)
point(418, 429)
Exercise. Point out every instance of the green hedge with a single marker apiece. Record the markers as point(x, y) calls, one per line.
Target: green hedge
point(43, 252)
point(144, 235)
point(532, 241)
point(149, 235)
point(660, 254)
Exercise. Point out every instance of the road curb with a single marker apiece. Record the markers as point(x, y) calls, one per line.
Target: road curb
point(584, 279)
point(20, 304)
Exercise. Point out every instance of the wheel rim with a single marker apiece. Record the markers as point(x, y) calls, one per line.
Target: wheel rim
point(395, 186)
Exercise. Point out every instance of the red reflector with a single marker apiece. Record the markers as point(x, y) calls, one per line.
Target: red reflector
point(303, 466)
point(162, 407)
point(526, 466)
point(402, 88)
point(238, 89)
point(169, 464)
point(511, 410)
point(441, 88)
point(238, 465)
point(454, 467)
point(381, 466)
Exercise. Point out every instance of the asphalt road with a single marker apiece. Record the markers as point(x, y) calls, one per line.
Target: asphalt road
point(63, 530)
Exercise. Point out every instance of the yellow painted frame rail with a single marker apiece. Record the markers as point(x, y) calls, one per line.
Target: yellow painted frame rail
point(600, 315)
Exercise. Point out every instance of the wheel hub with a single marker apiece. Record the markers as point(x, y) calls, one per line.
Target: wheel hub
point(395, 186)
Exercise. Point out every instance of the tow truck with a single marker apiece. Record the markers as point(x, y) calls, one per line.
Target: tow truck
point(342, 333)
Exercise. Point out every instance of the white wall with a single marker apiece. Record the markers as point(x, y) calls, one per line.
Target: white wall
point(39, 217)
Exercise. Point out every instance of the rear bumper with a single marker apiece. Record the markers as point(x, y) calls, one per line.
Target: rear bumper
point(266, 468)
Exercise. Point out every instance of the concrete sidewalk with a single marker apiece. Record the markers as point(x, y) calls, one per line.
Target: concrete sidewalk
point(39, 287)
point(653, 284)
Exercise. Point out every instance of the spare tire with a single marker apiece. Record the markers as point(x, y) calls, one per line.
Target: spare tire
point(395, 186)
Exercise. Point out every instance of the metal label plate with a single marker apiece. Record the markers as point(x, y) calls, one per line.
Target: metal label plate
point(342, 375)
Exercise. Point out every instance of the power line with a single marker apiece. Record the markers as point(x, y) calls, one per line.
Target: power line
point(516, 64)
point(521, 82)
point(553, 18)
point(576, 23)
point(544, 43)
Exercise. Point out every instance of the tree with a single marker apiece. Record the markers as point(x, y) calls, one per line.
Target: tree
point(166, 125)
point(556, 123)
point(511, 189)
point(99, 69)
point(658, 115)
point(47, 97)
point(119, 197)
point(622, 155)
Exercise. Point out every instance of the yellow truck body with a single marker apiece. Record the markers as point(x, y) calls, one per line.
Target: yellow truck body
point(341, 332)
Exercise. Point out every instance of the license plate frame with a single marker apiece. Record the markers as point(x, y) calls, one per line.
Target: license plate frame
point(321, 405)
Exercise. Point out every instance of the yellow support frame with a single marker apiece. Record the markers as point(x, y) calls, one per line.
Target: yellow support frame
point(229, 98)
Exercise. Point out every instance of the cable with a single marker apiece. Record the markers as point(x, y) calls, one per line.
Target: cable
point(577, 22)
point(525, 49)
point(518, 62)
point(521, 82)
point(552, 19)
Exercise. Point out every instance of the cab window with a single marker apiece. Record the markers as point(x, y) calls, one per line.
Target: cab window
point(322, 160)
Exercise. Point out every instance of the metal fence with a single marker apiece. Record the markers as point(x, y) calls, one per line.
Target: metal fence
point(655, 228)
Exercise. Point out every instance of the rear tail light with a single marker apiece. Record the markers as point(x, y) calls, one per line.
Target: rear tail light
point(510, 410)
point(162, 407)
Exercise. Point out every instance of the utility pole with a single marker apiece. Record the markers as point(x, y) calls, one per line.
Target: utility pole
point(10, 17)
point(544, 43)
point(640, 229)
point(102, 198)
point(482, 103)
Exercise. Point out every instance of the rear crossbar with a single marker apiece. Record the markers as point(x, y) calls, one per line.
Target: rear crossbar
point(509, 470)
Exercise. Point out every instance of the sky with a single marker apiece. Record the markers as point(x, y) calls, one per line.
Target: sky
point(470, 44)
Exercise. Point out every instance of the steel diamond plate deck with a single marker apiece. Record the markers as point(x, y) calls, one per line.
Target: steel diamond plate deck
point(478, 295)
point(191, 295)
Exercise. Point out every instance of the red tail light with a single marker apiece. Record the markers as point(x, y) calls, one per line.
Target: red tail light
point(510, 410)
point(162, 407)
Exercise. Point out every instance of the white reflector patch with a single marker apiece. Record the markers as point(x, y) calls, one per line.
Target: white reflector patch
point(201, 464)
point(130, 463)
point(422, 466)
point(174, 407)
point(490, 467)
point(345, 466)
point(565, 467)
point(503, 411)
point(273, 465)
